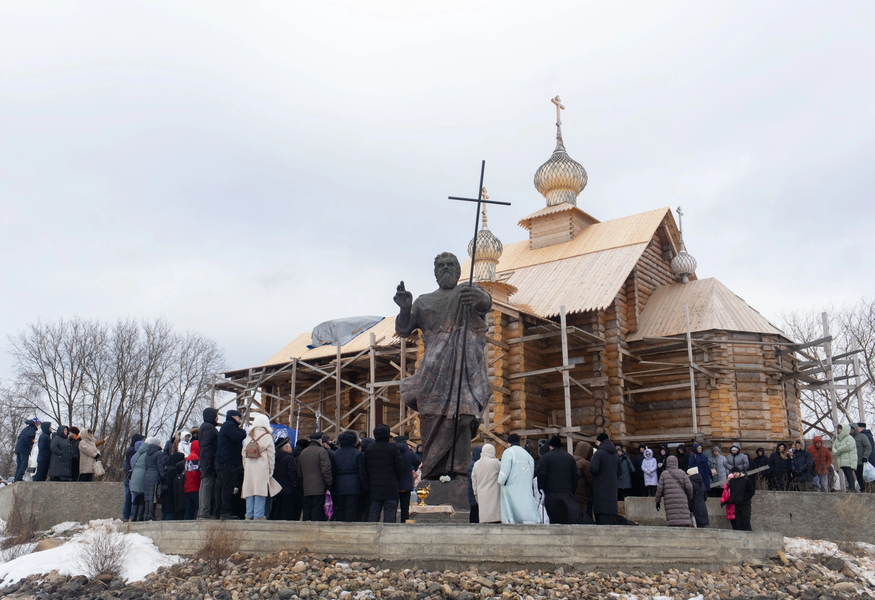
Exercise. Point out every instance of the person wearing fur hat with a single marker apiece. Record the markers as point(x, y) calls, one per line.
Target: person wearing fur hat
point(285, 472)
point(700, 494)
point(557, 477)
point(258, 456)
point(348, 476)
point(229, 458)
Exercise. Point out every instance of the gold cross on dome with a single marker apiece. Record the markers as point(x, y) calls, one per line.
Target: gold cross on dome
point(559, 106)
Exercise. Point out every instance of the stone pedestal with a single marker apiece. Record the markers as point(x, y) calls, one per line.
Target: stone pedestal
point(454, 493)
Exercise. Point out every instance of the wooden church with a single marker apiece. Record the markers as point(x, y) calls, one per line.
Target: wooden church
point(595, 326)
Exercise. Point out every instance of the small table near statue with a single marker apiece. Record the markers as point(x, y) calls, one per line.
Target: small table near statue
point(430, 509)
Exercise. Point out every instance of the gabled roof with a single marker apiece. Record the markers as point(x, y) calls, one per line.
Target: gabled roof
point(713, 306)
point(525, 222)
point(585, 273)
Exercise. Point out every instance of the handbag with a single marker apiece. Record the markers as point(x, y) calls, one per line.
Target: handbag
point(868, 472)
point(329, 506)
point(99, 471)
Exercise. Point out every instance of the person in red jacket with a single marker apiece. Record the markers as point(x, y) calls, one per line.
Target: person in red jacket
point(822, 463)
point(192, 482)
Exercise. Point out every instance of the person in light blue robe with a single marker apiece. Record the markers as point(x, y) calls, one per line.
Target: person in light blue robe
point(515, 478)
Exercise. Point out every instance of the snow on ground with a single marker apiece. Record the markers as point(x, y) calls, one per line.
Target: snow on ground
point(143, 556)
point(862, 562)
point(64, 528)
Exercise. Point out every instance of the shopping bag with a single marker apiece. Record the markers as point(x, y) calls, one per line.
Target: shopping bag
point(329, 506)
point(99, 471)
point(868, 472)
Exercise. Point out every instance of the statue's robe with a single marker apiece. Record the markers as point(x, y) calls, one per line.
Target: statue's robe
point(433, 390)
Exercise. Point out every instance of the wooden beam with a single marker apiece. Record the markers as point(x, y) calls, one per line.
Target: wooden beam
point(673, 386)
point(796, 347)
point(542, 372)
point(495, 342)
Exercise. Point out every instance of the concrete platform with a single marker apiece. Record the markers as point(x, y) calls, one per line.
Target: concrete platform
point(53, 502)
point(490, 547)
point(815, 515)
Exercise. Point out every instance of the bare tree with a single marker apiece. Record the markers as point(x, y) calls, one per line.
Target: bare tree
point(116, 380)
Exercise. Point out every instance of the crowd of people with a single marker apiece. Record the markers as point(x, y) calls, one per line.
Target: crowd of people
point(226, 472)
point(65, 454)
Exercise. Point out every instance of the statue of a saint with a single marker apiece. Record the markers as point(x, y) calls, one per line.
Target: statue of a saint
point(432, 391)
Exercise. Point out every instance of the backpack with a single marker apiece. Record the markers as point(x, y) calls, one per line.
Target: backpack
point(253, 450)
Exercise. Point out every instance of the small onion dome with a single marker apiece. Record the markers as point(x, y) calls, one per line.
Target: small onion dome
point(561, 178)
point(489, 249)
point(683, 265)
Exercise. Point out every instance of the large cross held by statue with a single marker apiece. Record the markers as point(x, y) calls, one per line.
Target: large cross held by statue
point(482, 198)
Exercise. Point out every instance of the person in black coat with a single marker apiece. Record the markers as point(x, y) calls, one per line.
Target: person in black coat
point(638, 474)
point(683, 458)
point(741, 491)
point(700, 495)
point(474, 515)
point(23, 446)
point(409, 463)
point(365, 496)
point(126, 467)
point(44, 451)
point(74, 439)
point(348, 475)
point(229, 460)
point(169, 500)
point(62, 456)
point(383, 466)
point(285, 472)
point(557, 477)
point(298, 502)
point(664, 453)
point(208, 438)
point(780, 468)
point(604, 466)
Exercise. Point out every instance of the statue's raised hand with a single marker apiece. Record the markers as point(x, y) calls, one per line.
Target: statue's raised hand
point(403, 298)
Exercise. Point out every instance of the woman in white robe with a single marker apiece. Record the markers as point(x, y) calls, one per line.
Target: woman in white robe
point(515, 478)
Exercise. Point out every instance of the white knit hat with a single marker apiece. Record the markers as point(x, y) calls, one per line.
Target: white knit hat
point(260, 420)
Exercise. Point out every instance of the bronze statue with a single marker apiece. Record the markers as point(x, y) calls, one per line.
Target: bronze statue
point(433, 390)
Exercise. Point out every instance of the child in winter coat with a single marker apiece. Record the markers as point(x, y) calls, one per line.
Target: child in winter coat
point(649, 467)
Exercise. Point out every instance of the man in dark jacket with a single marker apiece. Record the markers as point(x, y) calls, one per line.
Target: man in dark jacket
point(557, 477)
point(864, 452)
point(285, 472)
point(741, 491)
point(761, 460)
point(348, 476)
point(23, 446)
point(315, 474)
point(409, 463)
point(126, 467)
point(803, 468)
point(62, 456)
point(44, 454)
point(865, 431)
point(208, 437)
point(474, 514)
point(229, 459)
point(604, 466)
point(780, 468)
point(383, 467)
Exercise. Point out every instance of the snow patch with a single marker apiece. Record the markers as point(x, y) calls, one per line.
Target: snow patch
point(143, 556)
point(862, 565)
point(64, 527)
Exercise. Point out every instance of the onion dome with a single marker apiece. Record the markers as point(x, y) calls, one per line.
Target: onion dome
point(683, 265)
point(489, 249)
point(561, 178)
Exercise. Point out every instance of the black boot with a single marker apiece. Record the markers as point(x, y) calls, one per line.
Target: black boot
point(137, 513)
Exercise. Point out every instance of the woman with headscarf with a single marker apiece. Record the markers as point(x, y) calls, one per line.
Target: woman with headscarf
point(484, 481)
point(62, 456)
point(624, 475)
point(780, 468)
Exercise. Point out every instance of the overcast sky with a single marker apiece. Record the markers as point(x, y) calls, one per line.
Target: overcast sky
point(249, 170)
